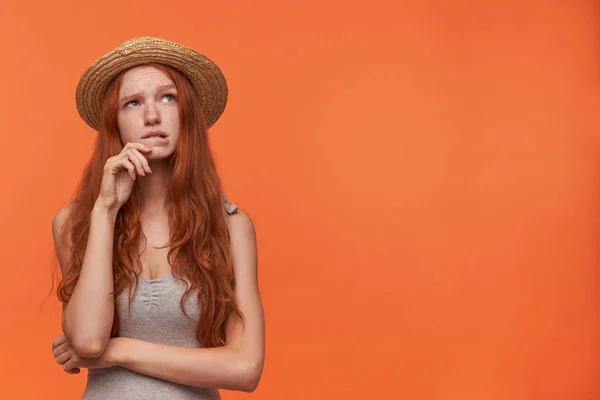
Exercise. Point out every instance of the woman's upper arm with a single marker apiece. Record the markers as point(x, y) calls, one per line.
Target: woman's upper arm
point(62, 251)
point(248, 338)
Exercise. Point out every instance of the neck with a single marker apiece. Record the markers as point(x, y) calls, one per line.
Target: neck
point(154, 188)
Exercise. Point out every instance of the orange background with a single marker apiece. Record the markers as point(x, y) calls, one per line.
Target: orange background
point(424, 178)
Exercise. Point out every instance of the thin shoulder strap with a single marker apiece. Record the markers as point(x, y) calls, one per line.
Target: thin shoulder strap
point(229, 206)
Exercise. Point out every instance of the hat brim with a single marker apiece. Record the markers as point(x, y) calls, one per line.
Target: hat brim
point(206, 77)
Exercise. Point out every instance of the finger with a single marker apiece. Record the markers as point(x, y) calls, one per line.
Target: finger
point(136, 162)
point(73, 371)
point(60, 349)
point(64, 357)
point(116, 164)
point(137, 159)
point(68, 366)
point(129, 167)
point(58, 341)
point(142, 159)
point(135, 145)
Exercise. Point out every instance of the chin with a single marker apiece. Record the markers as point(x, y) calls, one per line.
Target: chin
point(159, 153)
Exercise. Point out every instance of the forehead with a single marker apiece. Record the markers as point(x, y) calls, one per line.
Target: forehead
point(142, 78)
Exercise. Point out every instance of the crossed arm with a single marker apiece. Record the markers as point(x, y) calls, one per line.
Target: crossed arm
point(236, 366)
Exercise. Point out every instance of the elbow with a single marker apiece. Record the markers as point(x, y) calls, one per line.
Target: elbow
point(251, 373)
point(89, 347)
point(85, 344)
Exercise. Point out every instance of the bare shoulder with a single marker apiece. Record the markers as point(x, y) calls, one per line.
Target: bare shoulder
point(241, 226)
point(244, 252)
point(242, 238)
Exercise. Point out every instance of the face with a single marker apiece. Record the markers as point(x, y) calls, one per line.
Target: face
point(148, 106)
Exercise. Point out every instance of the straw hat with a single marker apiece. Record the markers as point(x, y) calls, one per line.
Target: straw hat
point(204, 75)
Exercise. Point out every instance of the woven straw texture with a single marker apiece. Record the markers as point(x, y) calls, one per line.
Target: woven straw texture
point(205, 76)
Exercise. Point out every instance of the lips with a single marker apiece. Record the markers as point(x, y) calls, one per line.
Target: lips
point(158, 134)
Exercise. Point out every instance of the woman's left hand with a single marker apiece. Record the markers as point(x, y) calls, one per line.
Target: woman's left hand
point(71, 362)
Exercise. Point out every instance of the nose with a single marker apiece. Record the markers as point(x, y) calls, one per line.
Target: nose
point(151, 116)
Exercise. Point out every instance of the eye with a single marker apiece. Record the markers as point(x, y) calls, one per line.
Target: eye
point(128, 103)
point(170, 96)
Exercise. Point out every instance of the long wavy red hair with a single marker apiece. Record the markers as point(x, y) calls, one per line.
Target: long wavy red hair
point(199, 248)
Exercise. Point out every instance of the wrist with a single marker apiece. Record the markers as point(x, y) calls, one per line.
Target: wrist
point(102, 211)
point(115, 354)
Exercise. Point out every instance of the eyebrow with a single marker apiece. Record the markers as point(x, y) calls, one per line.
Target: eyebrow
point(137, 94)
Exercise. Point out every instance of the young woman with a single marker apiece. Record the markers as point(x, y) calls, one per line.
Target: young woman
point(159, 291)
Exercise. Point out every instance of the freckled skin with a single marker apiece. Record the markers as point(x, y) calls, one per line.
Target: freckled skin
point(153, 109)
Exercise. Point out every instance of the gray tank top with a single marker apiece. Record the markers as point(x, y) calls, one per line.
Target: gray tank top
point(155, 316)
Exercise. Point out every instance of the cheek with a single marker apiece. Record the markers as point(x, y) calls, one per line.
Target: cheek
point(173, 115)
point(124, 124)
point(174, 122)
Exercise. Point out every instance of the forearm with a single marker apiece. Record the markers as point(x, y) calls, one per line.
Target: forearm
point(218, 367)
point(88, 316)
